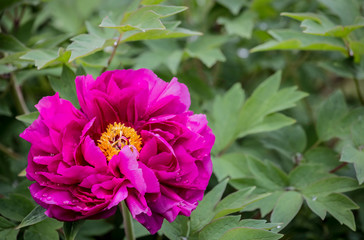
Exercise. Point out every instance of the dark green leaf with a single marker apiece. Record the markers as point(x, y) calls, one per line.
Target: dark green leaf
point(71, 229)
point(355, 156)
point(178, 229)
point(35, 216)
point(9, 43)
point(243, 233)
point(16, 207)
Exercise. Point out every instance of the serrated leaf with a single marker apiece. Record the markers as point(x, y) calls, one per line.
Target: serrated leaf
point(330, 185)
point(241, 26)
point(286, 208)
point(224, 121)
point(207, 49)
point(35, 216)
point(266, 99)
point(65, 85)
point(286, 39)
point(330, 115)
point(355, 156)
point(243, 233)
point(203, 214)
point(338, 205)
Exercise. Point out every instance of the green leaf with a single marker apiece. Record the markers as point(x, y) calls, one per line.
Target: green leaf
point(267, 99)
point(5, 224)
point(347, 10)
point(306, 174)
point(71, 229)
point(286, 39)
point(241, 26)
point(45, 230)
point(243, 233)
point(207, 49)
point(267, 175)
point(338, 205)
point(16, 207)
point(325, 157)
point(224, 121)
point(178, 229)
point(65, 86)
point(237, 201)
point(266, 204)
point(158, 34)
point(233, 5)
point(35, 216)
point(28, 118)
point(288, 141)
point(286, 209)
point(95, 228)
point(151, 2)
point(86, 44)
point(44, 57)
point(355, 156)
point(329, 185)
point(9, 43)
point(9, 234)
point(203, 214)
point(233, 165)
point(330, 115)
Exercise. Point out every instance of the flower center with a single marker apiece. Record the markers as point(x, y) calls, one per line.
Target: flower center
point(116, 137)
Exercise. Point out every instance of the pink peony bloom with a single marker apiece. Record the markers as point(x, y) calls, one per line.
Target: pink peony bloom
point(132, 140)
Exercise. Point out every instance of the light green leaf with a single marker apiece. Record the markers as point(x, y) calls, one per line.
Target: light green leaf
point(151, 2)
point(233, 5)
point(233, 165)
point(9, 43)
point(65, 86)
point(44, 57)
point(329, 185)
point(178, 229)
point(266, 204)
point(330, 115)
point(207, 49)
point(243, 233)
point(338, 205)
point(286, 39)
point(28, 118)
point(35, 216)
point(203, 214)
point(224, 121)
point(347, 10)
point(237, 201)
point(286, 209)
point(355, 156)
point(86, 44)
point(158, 34)
point(325, 157)
point(241, 26)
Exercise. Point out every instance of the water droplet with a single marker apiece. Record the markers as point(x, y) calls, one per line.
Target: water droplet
point(178, 179)
point(314, 198)
point(186, 181)
point(45, 195)
point(75, 201)
point(279, 226)
point(58, 184)
point(66, 202)
point(52, 154)
point(49, 198)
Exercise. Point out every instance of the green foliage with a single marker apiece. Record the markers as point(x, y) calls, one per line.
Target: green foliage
point(280, 83)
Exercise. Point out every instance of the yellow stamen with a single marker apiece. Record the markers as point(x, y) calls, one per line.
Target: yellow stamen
point(116, 137)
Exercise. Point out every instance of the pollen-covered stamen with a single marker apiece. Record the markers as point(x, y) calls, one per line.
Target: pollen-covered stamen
point(116, 137)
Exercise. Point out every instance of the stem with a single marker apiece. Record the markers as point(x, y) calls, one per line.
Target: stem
point(19, 101)
point(357, 86)
point(338, 167)
point(8, 151)
point(128, 222)
point(116, 44)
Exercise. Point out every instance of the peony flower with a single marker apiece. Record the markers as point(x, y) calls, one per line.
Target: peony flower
point(133, 139)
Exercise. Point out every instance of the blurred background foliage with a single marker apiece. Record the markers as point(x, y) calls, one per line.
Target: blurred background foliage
point(280, 81)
